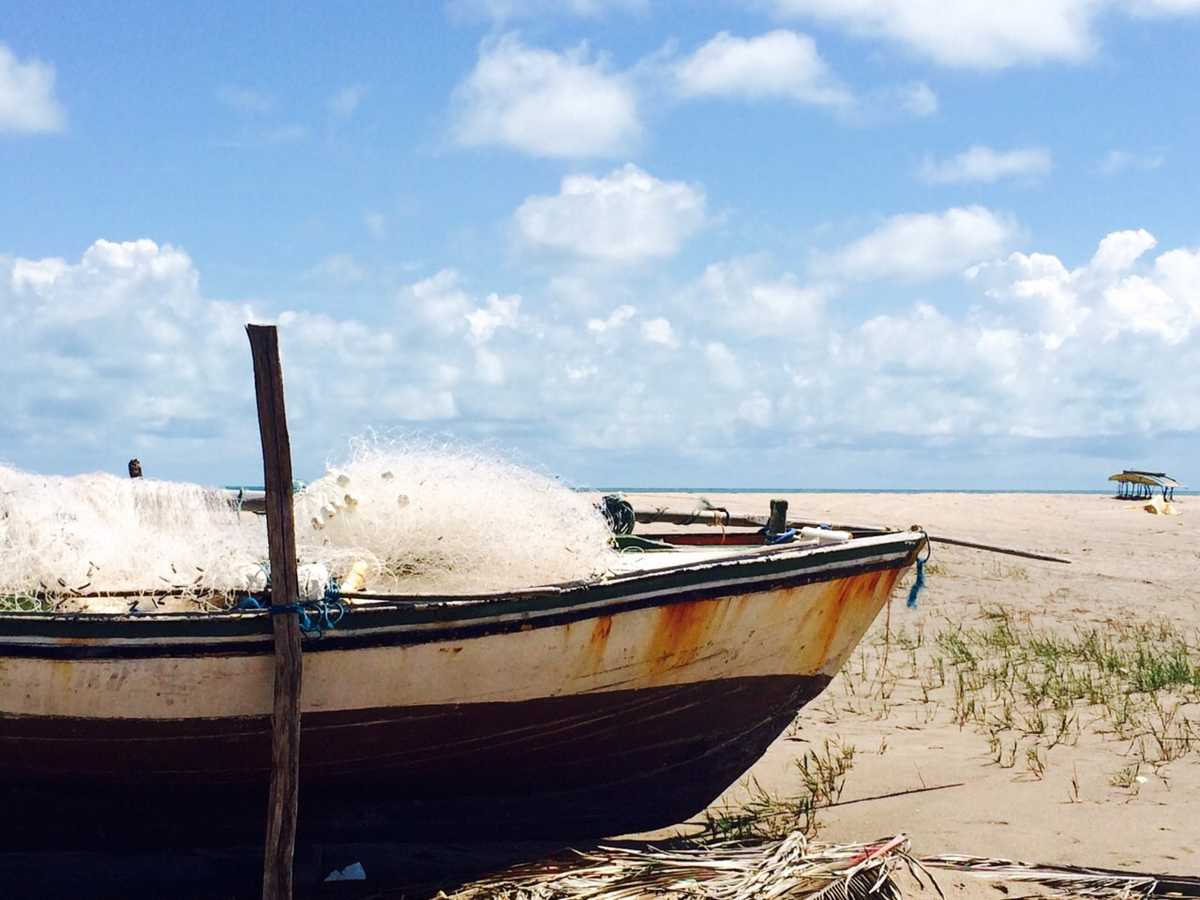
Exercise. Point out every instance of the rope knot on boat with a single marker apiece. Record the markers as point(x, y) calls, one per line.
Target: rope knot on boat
point(316, 616)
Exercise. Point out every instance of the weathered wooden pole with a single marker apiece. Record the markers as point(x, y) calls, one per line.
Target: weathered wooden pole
point(281, 541)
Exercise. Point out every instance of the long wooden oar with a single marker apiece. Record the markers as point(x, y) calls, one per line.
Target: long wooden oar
point(719, 516)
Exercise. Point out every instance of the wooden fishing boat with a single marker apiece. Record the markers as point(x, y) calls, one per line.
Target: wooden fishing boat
point(584, 709)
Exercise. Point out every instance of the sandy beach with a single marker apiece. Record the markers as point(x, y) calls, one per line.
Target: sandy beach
point(1100, 775)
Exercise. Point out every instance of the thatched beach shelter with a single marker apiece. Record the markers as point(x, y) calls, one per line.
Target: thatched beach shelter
point(1135, 484)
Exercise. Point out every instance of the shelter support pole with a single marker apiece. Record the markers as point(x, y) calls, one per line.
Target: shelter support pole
point(283, 801)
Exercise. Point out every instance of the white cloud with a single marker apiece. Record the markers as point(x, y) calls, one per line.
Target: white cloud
point(269, 136)
point(890, 103)
point(723, 365)
point(339, 267)
point(659, 331)
point(983, 164)
point(544, 103)
point(756, 410)
point(1115, 162)
point(1105, 298)
point(376, 223)
point(284, 134)
point(978, 34)
point(245, 99)
point(440, 301)
point(917, 99)
point(1121, 249)
point(779, 64)
point(489, 367)
point(137, 358)
point(1152, 8)
point(739, 295)
point(497, 312)
point(28, 104)
point(121, 352)
point(507, 10)
point(915, 246)
point(626, 217)
point(616, 319)
point(345, 102)
point(1043, 286)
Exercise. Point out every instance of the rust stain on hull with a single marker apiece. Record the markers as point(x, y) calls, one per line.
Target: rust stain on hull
point(592, 660)
point(681, 632)
point(600, 632)
point(851, 604)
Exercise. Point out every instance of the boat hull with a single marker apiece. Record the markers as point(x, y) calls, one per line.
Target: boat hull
point(575, 716)
point(555, 768)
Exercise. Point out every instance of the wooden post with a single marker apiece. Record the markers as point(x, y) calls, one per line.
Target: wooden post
point(281, 540)
point(777, 523)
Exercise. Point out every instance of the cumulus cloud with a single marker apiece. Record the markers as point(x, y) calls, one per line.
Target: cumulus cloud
point(916, 246)
point(723, 365)
point(979, 34)
point(123, 354)
point(1121, 249)
point(130, 349)
point(544, 103)
point(440, 301)
point(986, 165)
point(1059, 353)
point(659, 331)
point(1106, 298)
point(28, 104)
point(743, 296)
point(778, 64)
point(497, 312)
point(625, 217)
point(616, 319)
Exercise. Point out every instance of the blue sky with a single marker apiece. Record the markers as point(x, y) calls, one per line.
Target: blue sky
point(776, 243)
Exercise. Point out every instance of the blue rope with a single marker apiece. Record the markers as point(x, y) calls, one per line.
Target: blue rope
point(783, 537)
point(918, 584)
point(316, 616)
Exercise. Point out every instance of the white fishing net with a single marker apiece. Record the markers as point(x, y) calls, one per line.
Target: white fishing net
point(409, 517)
point(434, 517)
point(99, 533)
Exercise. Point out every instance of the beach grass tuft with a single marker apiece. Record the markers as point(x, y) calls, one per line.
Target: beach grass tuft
point(1032, 689)
point(763, 815)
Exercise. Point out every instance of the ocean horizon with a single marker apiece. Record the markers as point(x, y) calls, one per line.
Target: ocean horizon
point(866, 490)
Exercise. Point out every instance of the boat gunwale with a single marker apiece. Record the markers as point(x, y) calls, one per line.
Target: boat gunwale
point(380, 602)
point(97, 635)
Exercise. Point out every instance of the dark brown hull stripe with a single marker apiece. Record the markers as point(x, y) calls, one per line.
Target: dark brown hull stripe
point(565, 767)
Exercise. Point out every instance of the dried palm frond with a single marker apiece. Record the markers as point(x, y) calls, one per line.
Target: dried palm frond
point(1076, 881)
point(767, 870)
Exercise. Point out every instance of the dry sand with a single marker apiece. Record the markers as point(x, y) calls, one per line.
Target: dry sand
point(1127, 567)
